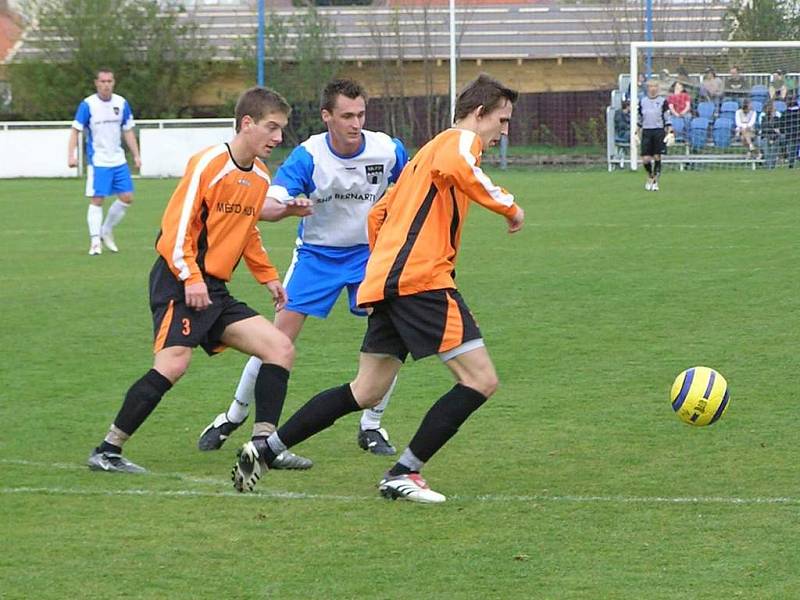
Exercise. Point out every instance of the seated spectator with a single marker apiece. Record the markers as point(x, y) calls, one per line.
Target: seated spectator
point(712, 87)
point(641, 80)
point(746, 124)
point(736, 86)
point(622, 124)
point(790, 128)
point(778, 90)
point(688, 82)
point(771, 142)
point(679, 102)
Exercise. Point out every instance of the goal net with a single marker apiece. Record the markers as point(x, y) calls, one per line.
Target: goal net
point(732, 104)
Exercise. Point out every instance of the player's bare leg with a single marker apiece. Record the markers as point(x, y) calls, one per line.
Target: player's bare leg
point(94, 219)
point(476, 380)
point(116, 212)
point(141, 399)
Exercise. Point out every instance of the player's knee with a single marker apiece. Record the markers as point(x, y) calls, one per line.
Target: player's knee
point(174, 369)
point(485, 382)
point(279, 351)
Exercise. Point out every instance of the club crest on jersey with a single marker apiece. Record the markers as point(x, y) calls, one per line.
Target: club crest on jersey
point(116, 110)
point(374, 173)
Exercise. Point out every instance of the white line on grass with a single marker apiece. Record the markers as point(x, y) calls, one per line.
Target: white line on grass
point(285, 495)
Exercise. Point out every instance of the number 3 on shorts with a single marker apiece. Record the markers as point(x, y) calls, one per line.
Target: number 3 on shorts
point(187, 326)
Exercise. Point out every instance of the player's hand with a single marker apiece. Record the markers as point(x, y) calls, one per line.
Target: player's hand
point(299, 207)
point(515, 223)
point(72, 162)
point(197, 296)
point(137, 160)
point(278, 292)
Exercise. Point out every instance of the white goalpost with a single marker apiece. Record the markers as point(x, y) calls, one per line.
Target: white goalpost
point(729, 83)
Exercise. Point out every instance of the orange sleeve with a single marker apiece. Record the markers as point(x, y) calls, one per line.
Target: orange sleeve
point(461, 165)
point(257, 260)
point(177, 245)
point(376, 217)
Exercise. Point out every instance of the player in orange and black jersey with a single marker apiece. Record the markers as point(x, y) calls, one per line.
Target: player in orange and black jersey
point(208, 226)
point(415, 234)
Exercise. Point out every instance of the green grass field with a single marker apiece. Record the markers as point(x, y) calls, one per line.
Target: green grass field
point(575, 481)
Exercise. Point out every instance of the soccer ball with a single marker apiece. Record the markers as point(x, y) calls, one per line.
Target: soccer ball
point(699, 396)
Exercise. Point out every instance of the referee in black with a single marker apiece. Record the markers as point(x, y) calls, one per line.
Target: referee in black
point(654, 123)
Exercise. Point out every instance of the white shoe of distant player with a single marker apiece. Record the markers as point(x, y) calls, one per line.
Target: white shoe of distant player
point(410, 486)
point(654, 187)
point(96, 248)
point(108, 240)
point(649, 185)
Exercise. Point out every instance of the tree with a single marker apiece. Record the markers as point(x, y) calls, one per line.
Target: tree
point(765, 20)
point(158, 58)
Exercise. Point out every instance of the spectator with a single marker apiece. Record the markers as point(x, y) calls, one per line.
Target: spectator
point(640, 86)
point(746, 124)
point(622, 124)
point(790, 128)
point(665, 81)
point(712, 87)
point(736, 86)
point(770, 135)
point(679, 102)
point(689, 83)
point(778, 90)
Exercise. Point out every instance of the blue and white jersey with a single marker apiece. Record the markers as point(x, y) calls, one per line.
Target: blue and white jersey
point(343, 188)
point(104, 121)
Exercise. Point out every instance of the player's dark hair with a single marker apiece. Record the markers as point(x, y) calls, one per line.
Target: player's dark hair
point(102, 70)
point(349, 88)
point(257, 102)
point(483, 91)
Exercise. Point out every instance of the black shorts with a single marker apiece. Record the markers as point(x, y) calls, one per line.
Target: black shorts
point(653, 142)
point(421, 324)
point(175, 324)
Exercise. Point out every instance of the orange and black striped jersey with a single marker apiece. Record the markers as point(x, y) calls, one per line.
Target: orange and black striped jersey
point(415, 230)
point(210, 221)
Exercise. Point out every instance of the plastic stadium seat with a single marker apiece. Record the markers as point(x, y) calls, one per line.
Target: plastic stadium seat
point(706, 110)
point(722, 133)
point(728, 115)
point(757, 105)
point(780, 106)
point(760, 93)
point(698, 133)
point(729, 106)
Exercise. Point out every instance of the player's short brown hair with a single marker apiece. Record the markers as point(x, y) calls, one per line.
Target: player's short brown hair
point(258, 102)
point(483, 91)
point(349, 88)
point(102, 70)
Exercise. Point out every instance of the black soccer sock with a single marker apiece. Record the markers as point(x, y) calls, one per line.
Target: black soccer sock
point(658, 168)
point(317, 414)
point(142, 397)
point(271, 384)
point(443, 420)
point(649, 168)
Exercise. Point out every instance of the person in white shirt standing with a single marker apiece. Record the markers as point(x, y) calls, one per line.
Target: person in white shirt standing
point(106, 118)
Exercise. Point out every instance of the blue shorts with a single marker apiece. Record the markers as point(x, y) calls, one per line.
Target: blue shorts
point(108, 181)
point(318, 274)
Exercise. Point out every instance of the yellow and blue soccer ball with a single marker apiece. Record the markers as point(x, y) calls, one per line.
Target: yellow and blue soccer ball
point(699, 396)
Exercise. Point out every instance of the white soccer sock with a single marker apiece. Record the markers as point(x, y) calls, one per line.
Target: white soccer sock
point(94, 218)
point(115, 215)
point(371, 417)
point(245, 392)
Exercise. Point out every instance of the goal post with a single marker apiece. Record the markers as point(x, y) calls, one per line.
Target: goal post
point(764, 75)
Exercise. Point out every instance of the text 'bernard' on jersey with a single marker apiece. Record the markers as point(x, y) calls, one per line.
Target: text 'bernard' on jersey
point(343, 188)
point(103, 121)
point(210, 221)
point(415, 229)
point(653, 113)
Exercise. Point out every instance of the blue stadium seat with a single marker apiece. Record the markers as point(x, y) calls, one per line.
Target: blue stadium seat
point(706, 110)
point(760, 93)
point(722, 132)
point(757, 105)
point(679, 127)
point(780, 106)
point(699, 133)
point(728, 115)
point(729, 106)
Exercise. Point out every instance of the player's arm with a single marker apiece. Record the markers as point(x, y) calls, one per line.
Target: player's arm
point(666, 116)
point(82, 120)
point(468, 177)
point(129, 135)
point(294, 178)
point(257, 260)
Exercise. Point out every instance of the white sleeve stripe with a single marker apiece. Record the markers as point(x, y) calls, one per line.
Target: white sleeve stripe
point(261, 173)
point(279, 193)
point(178, 255)
point(495, 192)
